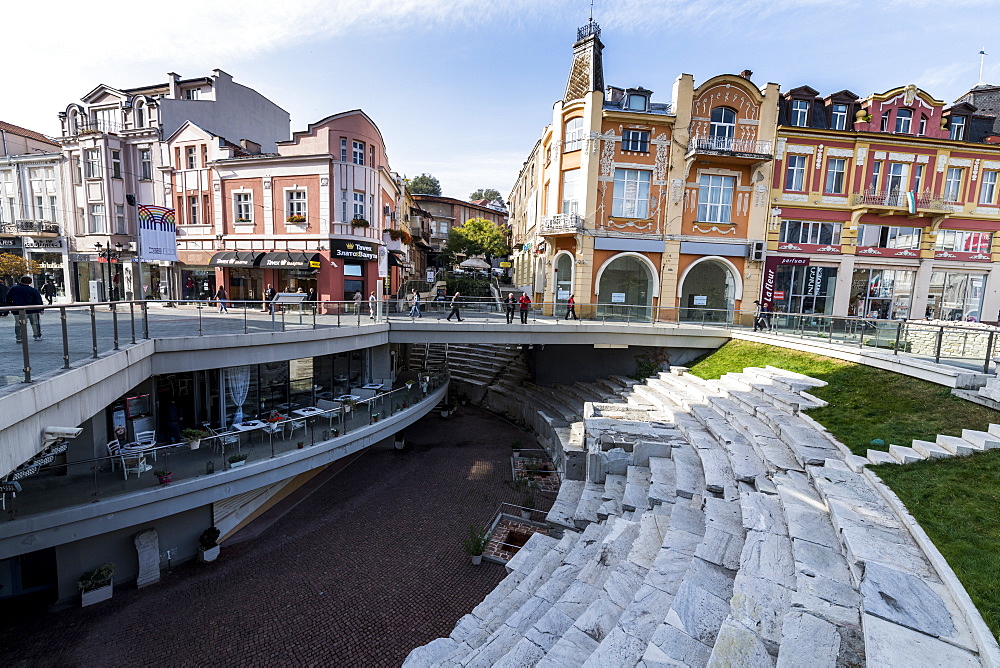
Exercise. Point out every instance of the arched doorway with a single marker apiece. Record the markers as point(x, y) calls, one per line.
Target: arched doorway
point(708, 291)
point(564, 278)
point(626, 289)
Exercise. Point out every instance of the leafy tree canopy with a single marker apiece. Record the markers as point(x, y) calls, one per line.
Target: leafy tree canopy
point(425, 184)
point(478, 236)
point(488, 194)
point(14, 267)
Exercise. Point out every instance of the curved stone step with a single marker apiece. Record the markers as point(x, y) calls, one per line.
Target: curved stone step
point(563, 509)
point(637, 489)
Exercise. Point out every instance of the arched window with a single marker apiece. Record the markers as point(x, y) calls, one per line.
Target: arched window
point(139, 115)
point(564, 277)
point(723, 127)
point(904, 117)
point(573, 140)
point(626, 289)
point(708, 291)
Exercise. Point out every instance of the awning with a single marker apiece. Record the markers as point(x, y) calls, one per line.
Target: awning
point(396, 259)
point(282, 260)
point(236, 259)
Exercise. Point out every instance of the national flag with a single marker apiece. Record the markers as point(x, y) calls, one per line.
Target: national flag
point(911, 202)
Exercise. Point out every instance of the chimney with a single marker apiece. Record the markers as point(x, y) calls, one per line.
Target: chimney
point(746, 74)
point(175, 91)
point(250, 146)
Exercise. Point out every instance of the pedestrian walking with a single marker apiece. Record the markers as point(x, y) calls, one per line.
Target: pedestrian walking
point(49, 290)
point(511, 305)
point(762, 317)
point(415, 305)
point(189, 289)
point(269, 296)
point(571, 308)
point(525, 307)
point(312, 298)
point(222, 298)
point(357, 302)
point(24, 294)
point(372, 305)
point(3, 298)
point(454, 307)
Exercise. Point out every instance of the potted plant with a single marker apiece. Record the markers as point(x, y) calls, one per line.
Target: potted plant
point(336, 433)
point(193, 437)
point(409, 384)
point(238, 460)
point(163, 476)
point(208, 545)
point(359, 222)
point(529, 504)
point(445, 411)
point(243, 220)
point(96, 585)
point(475, 543)
point(295, 219)
point(349, 405)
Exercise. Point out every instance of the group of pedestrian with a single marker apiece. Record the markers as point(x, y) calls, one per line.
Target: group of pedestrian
point(513, 304)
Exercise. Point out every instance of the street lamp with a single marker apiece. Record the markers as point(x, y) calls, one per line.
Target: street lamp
point(108, 256)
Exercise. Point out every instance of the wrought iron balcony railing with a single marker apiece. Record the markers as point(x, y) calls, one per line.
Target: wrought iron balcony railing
point(895, 199)
point(562, 222)
point(729, 145)
point(29, 227)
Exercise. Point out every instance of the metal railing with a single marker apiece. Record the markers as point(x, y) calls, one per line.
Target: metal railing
point(371, 232)
point(729, 145)
point(896, 199)
point(29, 227)
point(85, 125)
point(562, 222)
point(91, 480)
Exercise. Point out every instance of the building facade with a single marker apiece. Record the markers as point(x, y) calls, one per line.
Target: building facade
point(113, 143)
point(32, 215)
point(885, 207)
point(318, 213)
point(447, 213)
point(644, 209)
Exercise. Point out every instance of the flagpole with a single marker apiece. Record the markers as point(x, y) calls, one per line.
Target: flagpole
point(982, 59)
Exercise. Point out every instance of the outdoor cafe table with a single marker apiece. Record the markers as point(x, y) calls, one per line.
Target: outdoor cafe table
point(348, 397)
point(249, 425)
point(308, 411)
point(139, 450)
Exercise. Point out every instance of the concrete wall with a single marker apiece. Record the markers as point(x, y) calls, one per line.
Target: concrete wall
point(570, 363)
point(176, 532)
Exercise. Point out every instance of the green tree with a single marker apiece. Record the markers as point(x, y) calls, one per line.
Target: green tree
point(425, 184)
point(486, 193)
point(14, 267)
point(478, 236)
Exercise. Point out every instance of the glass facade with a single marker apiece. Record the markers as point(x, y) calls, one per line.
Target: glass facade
point(886, 294)
point(804, 289)
point(955, 295)
point(626, 288)
point(709, 292)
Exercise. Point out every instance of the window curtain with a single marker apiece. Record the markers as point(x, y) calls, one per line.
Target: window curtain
point(237, 384)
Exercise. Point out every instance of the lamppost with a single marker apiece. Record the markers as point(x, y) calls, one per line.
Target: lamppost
point(108, 256)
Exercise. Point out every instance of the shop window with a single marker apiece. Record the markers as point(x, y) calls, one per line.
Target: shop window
point(955, 295)
point(804, 289)
point(965, 241)
point(885, 294)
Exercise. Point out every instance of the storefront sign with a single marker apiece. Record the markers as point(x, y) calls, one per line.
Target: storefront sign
point(617, 297)
point(505, 265)
point(42, 243)
point(281, 260)
point(353, 250)
point(10, 243)
point(700, 300)
point(779, 294)
point(235, 259)
point(771, 265)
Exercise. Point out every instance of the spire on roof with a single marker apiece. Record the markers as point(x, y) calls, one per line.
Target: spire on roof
point(586, 74)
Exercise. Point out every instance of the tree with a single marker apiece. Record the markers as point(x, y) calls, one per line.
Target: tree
point(487, 194)
point(14, 267)
point(425, 184)
point(478, 236)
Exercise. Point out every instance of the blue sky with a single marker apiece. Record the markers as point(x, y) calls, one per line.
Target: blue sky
point(461, 88)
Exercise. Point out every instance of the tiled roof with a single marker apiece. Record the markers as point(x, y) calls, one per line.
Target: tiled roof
point(23, 132)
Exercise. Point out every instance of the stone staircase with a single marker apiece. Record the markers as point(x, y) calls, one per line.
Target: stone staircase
point(714, 524)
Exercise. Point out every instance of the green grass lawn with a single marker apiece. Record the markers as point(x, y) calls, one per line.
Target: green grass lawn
point(956, 500)
point(865, 403)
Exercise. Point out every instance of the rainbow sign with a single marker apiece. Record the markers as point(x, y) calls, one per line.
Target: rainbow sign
point(157, 233)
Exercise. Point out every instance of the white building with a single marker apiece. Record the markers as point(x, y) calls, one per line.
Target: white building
point(116, 157)
point(31, 203)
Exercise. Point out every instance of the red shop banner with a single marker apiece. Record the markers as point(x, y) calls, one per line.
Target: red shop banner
point(771, 264)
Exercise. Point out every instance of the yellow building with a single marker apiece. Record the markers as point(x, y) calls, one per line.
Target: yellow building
point(646, 210)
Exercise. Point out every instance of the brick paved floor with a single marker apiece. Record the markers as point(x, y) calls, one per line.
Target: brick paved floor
point(358, 573)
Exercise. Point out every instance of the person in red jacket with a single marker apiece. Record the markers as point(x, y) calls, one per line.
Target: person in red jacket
point(525, 307)
point(571, 308)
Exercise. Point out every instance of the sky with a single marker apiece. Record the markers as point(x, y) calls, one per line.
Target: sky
point(462, 89)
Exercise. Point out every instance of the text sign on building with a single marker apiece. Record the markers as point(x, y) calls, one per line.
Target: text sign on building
point(353, 250)
point(771, 265)
point(157, 233)
point(42, 243)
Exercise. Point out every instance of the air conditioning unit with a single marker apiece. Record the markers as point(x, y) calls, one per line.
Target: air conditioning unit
point(757, 251)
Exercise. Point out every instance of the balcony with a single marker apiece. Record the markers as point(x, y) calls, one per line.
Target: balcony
point(894, 199)
point(562, 223)
point(86, 126)
point(348, 230)
point(748, 149)
point(41, 228)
